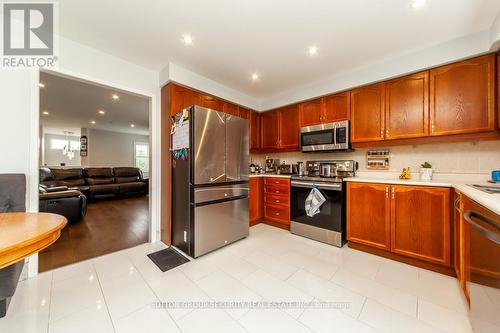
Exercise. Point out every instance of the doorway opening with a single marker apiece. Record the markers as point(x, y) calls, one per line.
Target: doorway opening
point(94, 158)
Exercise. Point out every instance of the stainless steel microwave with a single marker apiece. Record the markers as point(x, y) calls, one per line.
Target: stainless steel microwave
point(325, 137)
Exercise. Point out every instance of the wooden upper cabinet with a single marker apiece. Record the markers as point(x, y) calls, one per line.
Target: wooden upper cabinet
point(231, 109)
point(254, 131)
point(311, 112)
point(270, 130)
point(289, 127)
point(407, 107)
point(181, 98)
point(462, 97)
point(212, 102)
point(420, 222)
point(367, 113)
point(245, 113)
point(336, 107)
point(369, 224)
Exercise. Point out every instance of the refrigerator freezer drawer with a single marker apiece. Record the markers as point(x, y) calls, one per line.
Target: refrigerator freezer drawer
point(212, 193)
point(219, 224)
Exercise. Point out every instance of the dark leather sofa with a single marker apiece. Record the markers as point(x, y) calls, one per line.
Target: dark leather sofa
point(96, 183)
point(71, 204)
point(12, 199)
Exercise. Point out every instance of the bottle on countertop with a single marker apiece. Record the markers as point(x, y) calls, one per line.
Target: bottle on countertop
point(252, 167)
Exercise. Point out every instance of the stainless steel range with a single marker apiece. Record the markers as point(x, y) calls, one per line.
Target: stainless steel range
point(329, 224)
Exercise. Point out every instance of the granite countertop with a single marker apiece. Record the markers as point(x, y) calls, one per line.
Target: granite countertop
point(459, 182)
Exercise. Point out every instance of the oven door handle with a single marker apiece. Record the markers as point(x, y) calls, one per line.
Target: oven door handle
point(489, 234)
point(322, 186)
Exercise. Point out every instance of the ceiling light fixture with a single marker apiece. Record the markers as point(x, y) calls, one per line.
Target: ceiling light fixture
point(415, 4)
point(46, 113)
point(41, 85)
point(92, 122)
point(132, 125)
point(187, 39)
point(255, 76)
point(101, 112)
point(115, 97)
point(313, 50)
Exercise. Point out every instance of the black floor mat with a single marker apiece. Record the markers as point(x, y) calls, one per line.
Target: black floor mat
point(167, 259)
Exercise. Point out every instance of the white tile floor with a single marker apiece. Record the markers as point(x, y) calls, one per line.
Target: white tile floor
point(114, 293)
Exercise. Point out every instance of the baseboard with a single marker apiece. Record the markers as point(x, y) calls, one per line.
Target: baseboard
point(406, 260)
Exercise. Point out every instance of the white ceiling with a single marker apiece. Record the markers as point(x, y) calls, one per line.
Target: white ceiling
point(232, 39)
point(74, 103)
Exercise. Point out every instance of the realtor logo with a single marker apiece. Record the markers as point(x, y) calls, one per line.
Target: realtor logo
point(28, 35)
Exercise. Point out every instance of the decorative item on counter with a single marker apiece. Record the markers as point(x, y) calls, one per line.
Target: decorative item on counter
point(252, 167)
point(495, 176)
point(405, 174)
point(426, 171)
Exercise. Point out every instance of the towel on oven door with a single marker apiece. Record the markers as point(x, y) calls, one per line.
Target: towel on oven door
point(314, 201)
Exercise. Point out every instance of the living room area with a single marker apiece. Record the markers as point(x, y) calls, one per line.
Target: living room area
point(94, 158)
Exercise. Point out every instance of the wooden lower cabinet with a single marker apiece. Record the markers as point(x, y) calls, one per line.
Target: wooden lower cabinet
point(368, 214)
point(420, 222)
point(410, 221)
point(277, 200)
point(256, 208)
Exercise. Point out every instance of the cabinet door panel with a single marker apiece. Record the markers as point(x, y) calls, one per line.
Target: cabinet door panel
point(255, 129)
point(212, 102)
point(256, 202)
point(367, 113)
point(310, 112)
point(336, 107)
point(407, 107)
point(270, 130)
point(368, 214)
point(181, 98)
point(289, 127)
point(231, 109)
point(462, 97)
point(420, 222)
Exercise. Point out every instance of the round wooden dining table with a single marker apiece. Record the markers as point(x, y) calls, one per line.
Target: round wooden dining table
point(23, 234)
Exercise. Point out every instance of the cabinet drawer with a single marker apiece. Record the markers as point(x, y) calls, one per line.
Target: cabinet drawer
point(277, 181)
point(277, 189)
point(277, 199)
point(277, 213)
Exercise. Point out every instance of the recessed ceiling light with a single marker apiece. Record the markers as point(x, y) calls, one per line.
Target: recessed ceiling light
point(46, 113)
point(187, 39)
point(92, 122)
point(115, 97)
point(255, 76)
point(415, 4)
point(132, 125)
point(41, 85)
point(101, 112)
point(313, 50)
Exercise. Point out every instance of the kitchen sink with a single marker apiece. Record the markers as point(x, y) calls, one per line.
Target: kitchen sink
point(493, 188)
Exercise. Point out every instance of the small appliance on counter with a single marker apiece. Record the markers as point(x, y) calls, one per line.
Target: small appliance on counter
point(495, 176)
point(329, 224)
point(289, 169)
point(272, 165)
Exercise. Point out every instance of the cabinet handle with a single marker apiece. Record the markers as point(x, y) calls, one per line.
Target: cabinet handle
point(393, 193)
point(277, 201)
point(382, 133)
point(277, 214)
point(387, 132)
point(387, 192)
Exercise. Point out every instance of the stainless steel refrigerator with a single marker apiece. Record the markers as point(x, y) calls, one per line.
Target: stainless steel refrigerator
point(210, 187)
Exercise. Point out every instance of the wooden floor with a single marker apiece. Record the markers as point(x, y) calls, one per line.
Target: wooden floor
point(109, 226)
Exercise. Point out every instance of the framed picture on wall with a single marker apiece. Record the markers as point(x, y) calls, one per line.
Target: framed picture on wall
point(83, 146)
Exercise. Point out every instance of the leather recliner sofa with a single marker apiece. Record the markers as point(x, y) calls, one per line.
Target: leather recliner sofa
point(97, 183)
point(71, 204)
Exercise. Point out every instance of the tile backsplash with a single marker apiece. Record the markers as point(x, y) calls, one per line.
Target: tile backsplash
point(462, 158)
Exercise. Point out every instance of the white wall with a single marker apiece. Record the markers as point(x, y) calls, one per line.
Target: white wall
point(54, 157)
point(112, 149)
